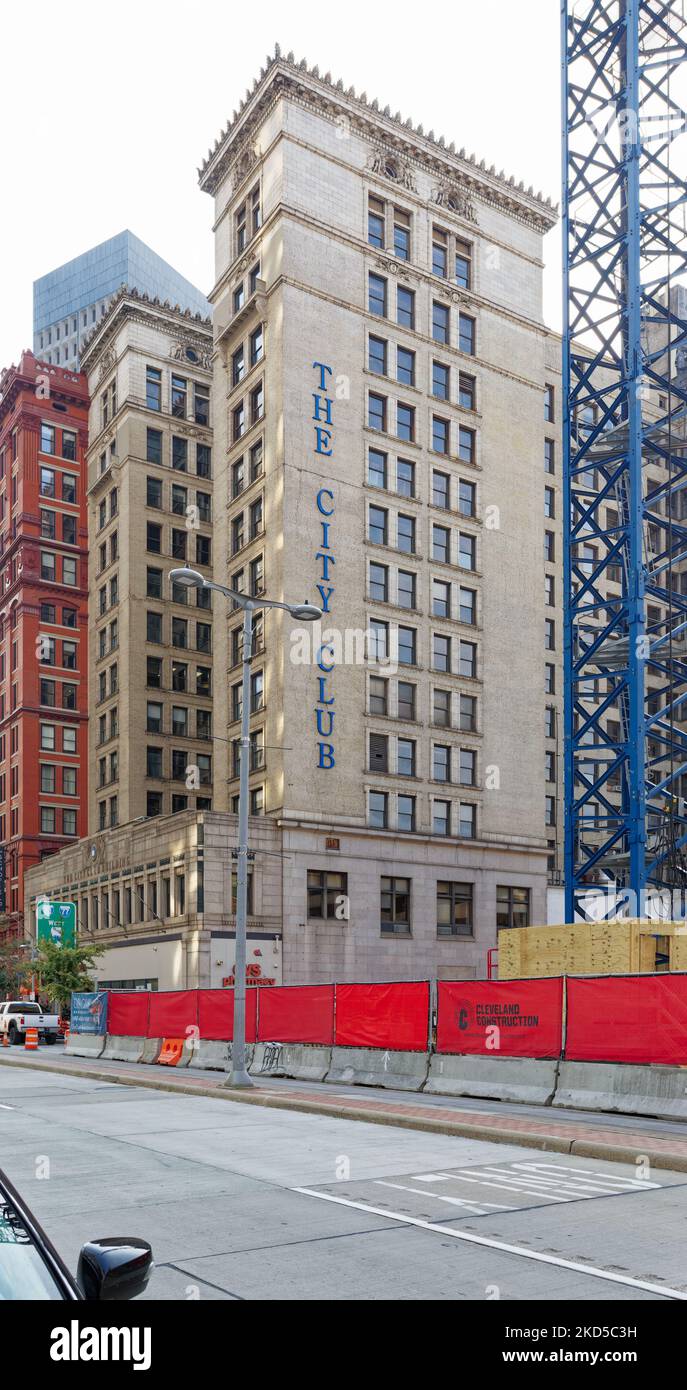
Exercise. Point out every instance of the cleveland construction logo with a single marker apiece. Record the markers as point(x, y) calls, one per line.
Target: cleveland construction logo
point(76, 1343)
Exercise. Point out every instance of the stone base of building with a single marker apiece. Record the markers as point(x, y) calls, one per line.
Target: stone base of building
point(326, 902)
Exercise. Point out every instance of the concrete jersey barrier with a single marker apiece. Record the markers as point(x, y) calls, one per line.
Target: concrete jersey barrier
point(300, 1061)
point(122, 1049)
point(492, 1078)
point(85, 1044)
point(624, 1088)
point(371, 1066)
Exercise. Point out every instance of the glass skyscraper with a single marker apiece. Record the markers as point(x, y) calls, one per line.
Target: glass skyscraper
point(68, 302)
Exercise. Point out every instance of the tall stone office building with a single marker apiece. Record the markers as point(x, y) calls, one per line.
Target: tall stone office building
point(150, 508)
point(386, 443)
point(384, 392)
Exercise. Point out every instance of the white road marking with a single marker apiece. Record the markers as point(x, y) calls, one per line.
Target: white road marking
point(565, 1186)
point(510, 1187)
point(518, 1250)
point(476, 1207)
point(6, 1107)
point(639, 1183)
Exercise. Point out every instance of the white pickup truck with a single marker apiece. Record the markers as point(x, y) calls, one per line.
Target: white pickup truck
point(16, 1015)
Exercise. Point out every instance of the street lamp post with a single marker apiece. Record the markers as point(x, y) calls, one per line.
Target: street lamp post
point(306, 612)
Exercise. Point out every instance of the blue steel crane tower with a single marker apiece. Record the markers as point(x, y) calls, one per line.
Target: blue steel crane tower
point(625, 453)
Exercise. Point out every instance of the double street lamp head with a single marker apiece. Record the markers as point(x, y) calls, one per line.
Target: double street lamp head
point(192, 579)
point(187, 578)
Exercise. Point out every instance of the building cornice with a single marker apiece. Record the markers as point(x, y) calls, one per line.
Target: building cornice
point(397, 145)
point(134, 306)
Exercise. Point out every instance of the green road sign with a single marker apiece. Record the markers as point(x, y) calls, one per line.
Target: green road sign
point(56, 922)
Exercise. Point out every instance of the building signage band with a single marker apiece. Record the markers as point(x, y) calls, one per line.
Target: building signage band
point(324, 428)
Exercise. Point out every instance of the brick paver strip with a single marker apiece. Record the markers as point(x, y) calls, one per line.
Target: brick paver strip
point(561, 1135)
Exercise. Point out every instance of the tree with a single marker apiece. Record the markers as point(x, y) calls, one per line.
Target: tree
point(60, 970)
point(12, 963)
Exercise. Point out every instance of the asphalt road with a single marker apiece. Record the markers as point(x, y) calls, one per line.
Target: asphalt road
point(244, 1202)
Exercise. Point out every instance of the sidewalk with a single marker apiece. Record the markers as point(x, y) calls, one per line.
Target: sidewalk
point(552, 1131)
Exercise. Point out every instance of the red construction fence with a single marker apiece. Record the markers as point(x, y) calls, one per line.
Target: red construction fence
point(616, 1018)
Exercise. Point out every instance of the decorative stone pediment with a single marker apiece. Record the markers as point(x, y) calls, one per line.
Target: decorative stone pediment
point(246, 160)
point(107, 362)
point(455, 198)
point(193, 353)
point(387, 164)
point(394, 267)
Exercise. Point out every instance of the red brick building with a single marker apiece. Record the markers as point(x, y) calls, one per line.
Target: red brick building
point(43, 621)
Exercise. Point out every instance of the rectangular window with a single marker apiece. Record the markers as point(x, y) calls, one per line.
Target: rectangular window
point(441, 544)
point(395, 906)
point(512, 906)
point(440, 489)
point(405, 421)
point(441, 598)
point(441, 818)
point(405, 366)
point(440, 322)
point(440, 435)
point(454, 908)
point(377, 468)
point(406, 701)
point(379, 696)
point(327, 892)
point(153, 388)
point(153, 493)
point(376, 411)
point(441, 708)
point(466, 498)
point(379, 583)
point(377, 295)
point(466, 334)
point(467, 606)
point(439, 252)
point(377, 529)
point(179, 454)
point(47, 445)
point(466, 444)
point(467, 659)
point(466, 391)
point(375, 222)
point(405, 757)
point(154, 446)
point(201, 404)
point(467, 551)
point(549, 396)
point(405, 534)
point(401, 234)
point(549, 456)
point(377, 355)
point(406, 590)
point(405, 307)
point(441, 379)
point(179, 396)
point(464, 265)
point(407, 641)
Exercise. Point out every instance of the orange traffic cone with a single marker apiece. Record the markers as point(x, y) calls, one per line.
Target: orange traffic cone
point(31, 1040)
point(5, 1040)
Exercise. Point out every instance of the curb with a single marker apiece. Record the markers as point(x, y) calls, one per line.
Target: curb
point(533, 1139)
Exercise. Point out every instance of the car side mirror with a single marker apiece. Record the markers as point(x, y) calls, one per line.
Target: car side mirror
point(114, 1267)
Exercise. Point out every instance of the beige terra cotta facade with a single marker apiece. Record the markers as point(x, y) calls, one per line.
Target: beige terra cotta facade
point(150, 493)
point(315, 192)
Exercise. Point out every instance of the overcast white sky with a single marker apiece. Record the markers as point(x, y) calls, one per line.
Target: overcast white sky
point(106, 113)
